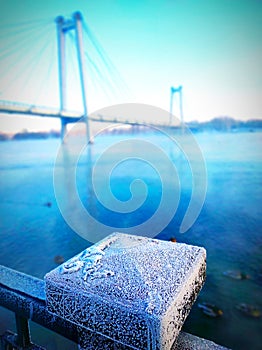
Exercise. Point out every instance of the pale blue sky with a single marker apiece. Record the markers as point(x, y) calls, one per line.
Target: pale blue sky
point(211, 47)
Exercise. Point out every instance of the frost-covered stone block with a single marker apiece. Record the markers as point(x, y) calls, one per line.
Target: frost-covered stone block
point(133, 290)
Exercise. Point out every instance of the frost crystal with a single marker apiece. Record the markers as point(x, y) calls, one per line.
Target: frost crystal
point(134, 290)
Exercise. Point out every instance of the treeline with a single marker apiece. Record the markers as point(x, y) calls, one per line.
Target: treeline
point(225, 124)
point(220, 124)
point(26, 135)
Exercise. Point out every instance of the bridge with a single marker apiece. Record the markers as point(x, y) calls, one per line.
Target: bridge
point(67, 116)
point(64, 28)
point(25, 295)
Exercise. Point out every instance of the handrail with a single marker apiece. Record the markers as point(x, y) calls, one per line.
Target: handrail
point(25, 296)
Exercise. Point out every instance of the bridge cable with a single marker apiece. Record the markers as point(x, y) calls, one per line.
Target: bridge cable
point(40, 57)
point(105, 59)
point(28, 60)
point(24, 64)
point(96, 77)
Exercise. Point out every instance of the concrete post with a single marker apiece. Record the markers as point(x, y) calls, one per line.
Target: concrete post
point(134, 291)
point(25, 295)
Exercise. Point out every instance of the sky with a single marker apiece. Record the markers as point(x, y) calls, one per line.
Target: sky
point(213, 48)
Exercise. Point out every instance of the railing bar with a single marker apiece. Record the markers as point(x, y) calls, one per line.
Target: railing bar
point(35, 310)
point(23, 333)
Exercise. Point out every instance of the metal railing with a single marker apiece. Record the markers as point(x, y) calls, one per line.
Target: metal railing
point(25, 296)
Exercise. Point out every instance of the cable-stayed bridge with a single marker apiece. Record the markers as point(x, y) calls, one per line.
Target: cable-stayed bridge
point(68, 116)
point(75, 29)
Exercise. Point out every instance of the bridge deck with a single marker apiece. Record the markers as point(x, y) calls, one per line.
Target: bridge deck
point(67, 116)
point(38, 111)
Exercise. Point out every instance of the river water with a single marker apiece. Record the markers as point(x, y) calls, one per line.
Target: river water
point(33, 230)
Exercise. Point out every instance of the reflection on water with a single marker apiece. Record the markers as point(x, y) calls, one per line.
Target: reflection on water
point(229, 226)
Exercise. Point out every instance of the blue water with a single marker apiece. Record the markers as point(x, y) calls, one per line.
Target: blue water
point(229, 225)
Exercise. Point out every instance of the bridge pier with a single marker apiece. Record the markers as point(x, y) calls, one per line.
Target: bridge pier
point(63, 129)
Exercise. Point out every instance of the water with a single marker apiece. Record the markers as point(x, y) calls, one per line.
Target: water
point(33, 230)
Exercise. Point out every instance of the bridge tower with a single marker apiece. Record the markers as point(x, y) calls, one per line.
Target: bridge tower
point(63, 27)
point(172, 92)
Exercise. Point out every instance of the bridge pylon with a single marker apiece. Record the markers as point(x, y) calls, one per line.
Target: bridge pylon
point(64, 26)
point(172, 92)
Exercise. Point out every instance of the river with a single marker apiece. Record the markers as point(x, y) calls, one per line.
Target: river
point(34, 231)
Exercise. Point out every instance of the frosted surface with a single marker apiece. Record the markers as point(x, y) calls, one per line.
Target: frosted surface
point(22, 283)
point(134, 290)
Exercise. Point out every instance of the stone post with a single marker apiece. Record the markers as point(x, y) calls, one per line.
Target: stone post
point(132, 292)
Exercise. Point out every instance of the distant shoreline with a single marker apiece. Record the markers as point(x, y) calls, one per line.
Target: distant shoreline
point(26, 135)
point(220, 124)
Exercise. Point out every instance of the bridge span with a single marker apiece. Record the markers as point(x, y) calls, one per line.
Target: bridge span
point(68, 116)
point(76, 25)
